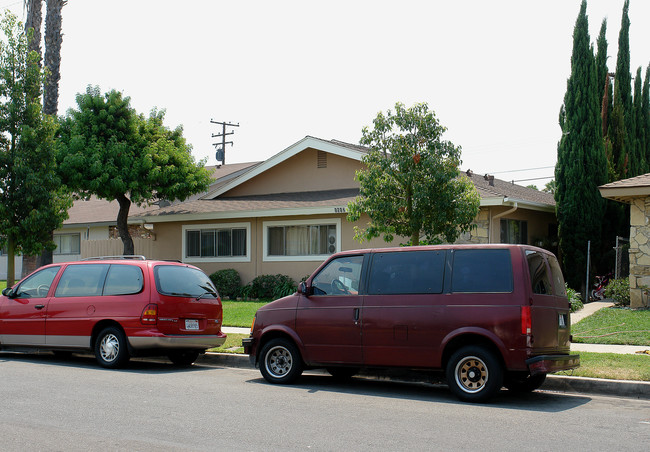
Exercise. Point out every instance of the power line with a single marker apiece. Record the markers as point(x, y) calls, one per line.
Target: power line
point(525, 169)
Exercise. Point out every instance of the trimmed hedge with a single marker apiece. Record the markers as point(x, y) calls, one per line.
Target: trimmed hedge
point(227, 282)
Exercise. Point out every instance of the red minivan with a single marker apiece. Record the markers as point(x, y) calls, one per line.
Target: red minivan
point(115, 307)
point(487, 315)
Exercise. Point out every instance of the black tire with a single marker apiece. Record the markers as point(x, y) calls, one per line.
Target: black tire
point(342, 373)
point(523, 383)
point(474, 374)
point(111, 349)
point(183, 357)
point(280, 361)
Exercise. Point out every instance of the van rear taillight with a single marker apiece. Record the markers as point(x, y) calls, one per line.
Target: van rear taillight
point(149, 314)
point(526, 322)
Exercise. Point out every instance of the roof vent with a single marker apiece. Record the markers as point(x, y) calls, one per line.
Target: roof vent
point(322, 159)
point(490, 179)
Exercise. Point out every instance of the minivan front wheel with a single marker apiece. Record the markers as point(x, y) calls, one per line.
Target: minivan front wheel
point(111, 350)
point(280, 361)
point(474, 374)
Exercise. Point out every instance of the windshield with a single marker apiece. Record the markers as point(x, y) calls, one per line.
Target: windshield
point(181, 281)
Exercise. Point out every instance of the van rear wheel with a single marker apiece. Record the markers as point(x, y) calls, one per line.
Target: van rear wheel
point(280, 361)
point(524, 383)
point(474, 374)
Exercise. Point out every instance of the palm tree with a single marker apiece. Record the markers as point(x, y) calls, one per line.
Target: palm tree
point(34, 9)
point(53, 40)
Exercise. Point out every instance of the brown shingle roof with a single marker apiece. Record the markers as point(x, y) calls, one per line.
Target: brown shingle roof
point(95, 210)
point(501, 188)
point(274, 201)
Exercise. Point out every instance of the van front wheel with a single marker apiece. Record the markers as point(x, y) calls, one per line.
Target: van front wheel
point(280, 361)
point(474, 374)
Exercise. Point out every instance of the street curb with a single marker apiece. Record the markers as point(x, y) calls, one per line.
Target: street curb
point(585, 385)
point(557, 383)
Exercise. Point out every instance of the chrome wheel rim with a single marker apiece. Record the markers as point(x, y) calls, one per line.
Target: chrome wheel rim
point(278, 361)
point(471, 374)
point(109, 347)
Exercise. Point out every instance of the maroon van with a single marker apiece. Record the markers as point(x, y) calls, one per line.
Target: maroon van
point(488, 315)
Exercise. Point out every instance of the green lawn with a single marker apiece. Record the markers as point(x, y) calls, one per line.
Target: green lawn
point(614, 326)
point(240, 313)
point(612, 366)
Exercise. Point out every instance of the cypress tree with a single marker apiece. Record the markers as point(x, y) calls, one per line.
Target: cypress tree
point(638, 159)
point(645, 117)
point(623, 145)
point(581, 164)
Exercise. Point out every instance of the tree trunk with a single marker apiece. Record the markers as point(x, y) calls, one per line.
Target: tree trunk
point(34, 20)
point(122, 225)
point(11, 260)
point(53, 40)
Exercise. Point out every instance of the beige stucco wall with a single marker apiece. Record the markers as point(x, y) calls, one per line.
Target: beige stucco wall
point(169, 239)
point(639, 252)
point(301, 173)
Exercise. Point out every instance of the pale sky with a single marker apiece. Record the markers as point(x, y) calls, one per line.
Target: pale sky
point(494, 72)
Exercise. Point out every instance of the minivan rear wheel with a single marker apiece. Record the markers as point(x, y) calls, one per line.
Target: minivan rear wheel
point(111, 350)
point(474, 374)
point(280, 361)
point(183, 357)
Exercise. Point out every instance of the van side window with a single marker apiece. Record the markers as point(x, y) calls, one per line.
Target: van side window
point(37, 285)
point(340, 277)
point(123, 280)
point(407, 272)
point(482, 270)
point(82, 280)
point(539, 277)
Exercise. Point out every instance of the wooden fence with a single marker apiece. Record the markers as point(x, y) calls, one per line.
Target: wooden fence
point(114, 247)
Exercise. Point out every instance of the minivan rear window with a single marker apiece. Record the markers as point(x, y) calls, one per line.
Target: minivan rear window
point(482, 270)
point(407, 272)
point(181, 281)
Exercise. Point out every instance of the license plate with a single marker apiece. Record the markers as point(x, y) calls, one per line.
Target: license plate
point(191, 324)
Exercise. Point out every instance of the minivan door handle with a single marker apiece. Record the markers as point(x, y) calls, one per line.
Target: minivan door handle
point(39, 306)
point(356, 315)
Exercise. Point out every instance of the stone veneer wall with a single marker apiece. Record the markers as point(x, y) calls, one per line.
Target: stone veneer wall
point(639, 251)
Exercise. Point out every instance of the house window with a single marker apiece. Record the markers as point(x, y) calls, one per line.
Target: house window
point(514, 231)
point(301, 240)
point(67, 243)
point(230, 242)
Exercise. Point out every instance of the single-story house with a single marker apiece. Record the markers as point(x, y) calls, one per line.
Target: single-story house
point(284, 215)
point(287, 214)
point(635, 191)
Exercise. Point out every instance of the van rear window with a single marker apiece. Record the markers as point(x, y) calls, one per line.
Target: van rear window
point(181, 281)
point(407, 272)
point(482, 270)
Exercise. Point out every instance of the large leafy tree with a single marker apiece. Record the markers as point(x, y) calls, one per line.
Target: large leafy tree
point(411, 186)
point(581, 164)
point(108, 150)
point(30, 198)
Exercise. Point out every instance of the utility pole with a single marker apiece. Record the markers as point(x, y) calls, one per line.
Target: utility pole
point(221, 147)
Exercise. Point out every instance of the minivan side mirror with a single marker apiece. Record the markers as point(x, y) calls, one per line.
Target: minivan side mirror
point(305, 290)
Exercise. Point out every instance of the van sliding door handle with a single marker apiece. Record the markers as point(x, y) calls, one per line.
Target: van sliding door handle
point(356, 315)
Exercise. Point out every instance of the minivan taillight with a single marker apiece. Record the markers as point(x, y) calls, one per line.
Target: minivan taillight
point(149, 314)
point(526, 322)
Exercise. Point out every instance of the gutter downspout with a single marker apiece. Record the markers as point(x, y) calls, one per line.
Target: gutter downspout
point(496, 217)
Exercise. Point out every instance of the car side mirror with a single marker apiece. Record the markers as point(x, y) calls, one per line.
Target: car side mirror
point(305, 290)
point(8, 292)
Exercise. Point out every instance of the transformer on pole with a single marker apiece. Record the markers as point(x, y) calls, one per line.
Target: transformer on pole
point(221, 147)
